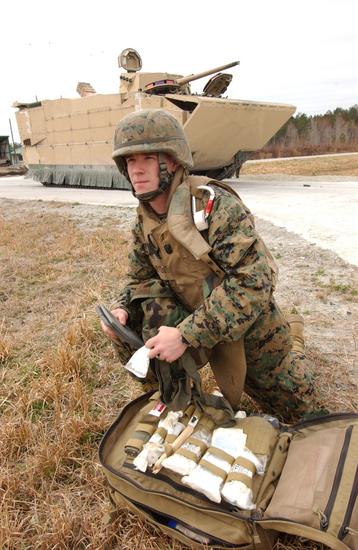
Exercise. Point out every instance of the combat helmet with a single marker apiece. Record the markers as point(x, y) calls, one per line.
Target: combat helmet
point(151, 131)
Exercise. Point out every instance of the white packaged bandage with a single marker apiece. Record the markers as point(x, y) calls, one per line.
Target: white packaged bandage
point(186, 458)
point(154, 448)
point(138, 364)
point(209, 475)
point(238, 487)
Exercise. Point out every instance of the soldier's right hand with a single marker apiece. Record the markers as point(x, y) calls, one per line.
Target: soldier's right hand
point(122, 316)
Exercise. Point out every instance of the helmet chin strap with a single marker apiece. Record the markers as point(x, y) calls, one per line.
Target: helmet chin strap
point(165, 180)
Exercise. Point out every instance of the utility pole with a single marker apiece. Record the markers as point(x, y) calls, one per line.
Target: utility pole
point(13, 144)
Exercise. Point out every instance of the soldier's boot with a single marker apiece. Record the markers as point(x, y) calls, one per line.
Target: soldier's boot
point(296, 330)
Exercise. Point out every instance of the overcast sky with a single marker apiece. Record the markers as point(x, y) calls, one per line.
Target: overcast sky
point(302, 52)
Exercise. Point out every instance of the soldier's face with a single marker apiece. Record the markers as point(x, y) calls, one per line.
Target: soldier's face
point(143, 171)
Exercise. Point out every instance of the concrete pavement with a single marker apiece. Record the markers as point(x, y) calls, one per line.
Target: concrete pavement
point(322, 212)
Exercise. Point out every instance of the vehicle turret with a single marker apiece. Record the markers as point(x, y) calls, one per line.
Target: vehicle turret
point(160, 83)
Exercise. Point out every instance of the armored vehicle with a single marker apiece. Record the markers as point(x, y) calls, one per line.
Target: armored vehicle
point(69, 142)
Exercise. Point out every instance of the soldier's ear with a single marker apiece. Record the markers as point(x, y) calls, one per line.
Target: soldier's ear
point(172, 164)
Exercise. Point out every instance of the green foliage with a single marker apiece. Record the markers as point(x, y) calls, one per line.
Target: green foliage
point(302, 123)
point(333, 131)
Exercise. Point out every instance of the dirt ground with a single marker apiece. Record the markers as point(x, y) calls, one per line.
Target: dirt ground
point(12, 170)
point(61, 386)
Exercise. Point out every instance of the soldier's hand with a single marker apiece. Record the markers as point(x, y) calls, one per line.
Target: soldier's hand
point(122, 316)
point(167, 345)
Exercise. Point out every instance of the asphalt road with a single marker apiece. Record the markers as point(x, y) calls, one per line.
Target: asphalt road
point(322, 212)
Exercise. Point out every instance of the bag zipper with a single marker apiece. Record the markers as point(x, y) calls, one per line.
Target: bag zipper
point(224, 506)
point(154, 513)
point(212, 508)
point(351, 503)
point(322, 420)
point(337, 480)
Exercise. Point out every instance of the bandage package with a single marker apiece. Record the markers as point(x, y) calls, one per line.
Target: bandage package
point(184, 460)
point(154, 448)
point(144, 429)
point(209, 475)
point(237, 488)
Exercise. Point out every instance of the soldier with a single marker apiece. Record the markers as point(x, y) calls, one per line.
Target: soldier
point(202, 286)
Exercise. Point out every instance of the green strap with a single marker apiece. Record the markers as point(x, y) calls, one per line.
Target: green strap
point(206, 422)
point(162, 432)
point(170, 438)
point(180, 385)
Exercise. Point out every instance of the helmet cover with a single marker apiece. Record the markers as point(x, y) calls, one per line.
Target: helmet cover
point(150, 131)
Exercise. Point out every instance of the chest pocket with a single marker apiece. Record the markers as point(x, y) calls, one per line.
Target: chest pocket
point(186, 275)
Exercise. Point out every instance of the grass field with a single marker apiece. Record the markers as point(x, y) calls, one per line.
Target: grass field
point(333, 165)
point(60, 384)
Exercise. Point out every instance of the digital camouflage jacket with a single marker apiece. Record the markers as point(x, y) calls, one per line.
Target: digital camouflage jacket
point(240, 304)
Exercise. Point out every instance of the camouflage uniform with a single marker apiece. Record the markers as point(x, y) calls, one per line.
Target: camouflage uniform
point(242, 305)
point(238, 307)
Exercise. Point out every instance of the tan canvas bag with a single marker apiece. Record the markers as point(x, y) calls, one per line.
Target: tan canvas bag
point(309, 487)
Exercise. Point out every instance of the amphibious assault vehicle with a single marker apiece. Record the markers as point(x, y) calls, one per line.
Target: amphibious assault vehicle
point(69, 142)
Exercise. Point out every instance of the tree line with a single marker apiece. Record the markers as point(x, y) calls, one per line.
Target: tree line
point(334, 132)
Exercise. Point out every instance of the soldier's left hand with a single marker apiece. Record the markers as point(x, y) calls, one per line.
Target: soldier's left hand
point(167, 345)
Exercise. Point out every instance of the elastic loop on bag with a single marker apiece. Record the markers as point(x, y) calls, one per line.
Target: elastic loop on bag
point(213, 469)
point(198, 443)
point(190, 455)
point(222, 455)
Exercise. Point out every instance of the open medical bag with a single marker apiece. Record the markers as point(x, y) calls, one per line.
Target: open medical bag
point(309, 487)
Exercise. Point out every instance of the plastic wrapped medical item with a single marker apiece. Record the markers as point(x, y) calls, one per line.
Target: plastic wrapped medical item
point(210, 474)
point(184, 460)
point(154, 448)
point(144, 429)
point(185, 420)
point(238, 485)
point(176, 442)
point(262, 436)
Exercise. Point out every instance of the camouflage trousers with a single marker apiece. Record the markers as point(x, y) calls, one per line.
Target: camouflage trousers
point(276, 377)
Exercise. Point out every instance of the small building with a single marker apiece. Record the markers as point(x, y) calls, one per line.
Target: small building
point(9, 154)
point(5, 155)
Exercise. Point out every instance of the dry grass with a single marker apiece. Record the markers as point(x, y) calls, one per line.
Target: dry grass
point(60, 385)
point(320, 166)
